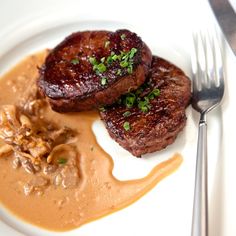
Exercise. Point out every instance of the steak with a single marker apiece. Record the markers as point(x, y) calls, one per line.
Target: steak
point(150, 118)
point(90, 69)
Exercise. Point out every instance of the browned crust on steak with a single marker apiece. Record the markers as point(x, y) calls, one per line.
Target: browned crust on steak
point(70, 87)
point(159, 127)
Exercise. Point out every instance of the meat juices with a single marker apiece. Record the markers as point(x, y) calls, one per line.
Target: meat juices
point(93, 68)
point(153, 122)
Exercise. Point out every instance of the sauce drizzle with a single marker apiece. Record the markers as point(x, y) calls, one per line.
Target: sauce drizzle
point(99, 192)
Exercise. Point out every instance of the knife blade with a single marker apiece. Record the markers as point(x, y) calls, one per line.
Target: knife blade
point(226, 18)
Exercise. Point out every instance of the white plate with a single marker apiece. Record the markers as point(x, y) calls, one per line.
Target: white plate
point(28, 26)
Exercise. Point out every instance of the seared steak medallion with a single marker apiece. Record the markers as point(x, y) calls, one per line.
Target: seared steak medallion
point(93, 68)
point(150, 118)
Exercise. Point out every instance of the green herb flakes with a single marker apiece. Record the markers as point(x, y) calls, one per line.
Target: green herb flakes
point(144, 106)
point(130, 69)
point(132, 52)
point(106, 44)
point(123, 36)
point(155, 92)
point(93, 61)
point(126, 126)
point(103, 59)
point(100, 68)
point(102, 109)
point(127, 114)
point(61, 161)
point(118, 72)
point(125, 60)
point(75, 61)
point(109, 60)
point(140, 98)
point(124, 63)
point(129, 100)
point(103, 81)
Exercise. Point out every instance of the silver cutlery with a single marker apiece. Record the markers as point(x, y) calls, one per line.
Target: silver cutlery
point(226, 18)
point(208, 90)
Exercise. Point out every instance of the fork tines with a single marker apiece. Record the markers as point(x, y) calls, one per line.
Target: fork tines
point(207, 66)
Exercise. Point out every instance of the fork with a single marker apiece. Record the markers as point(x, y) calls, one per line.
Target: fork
point(208, 90)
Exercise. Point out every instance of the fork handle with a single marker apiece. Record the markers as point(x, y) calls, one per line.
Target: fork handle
point(200, 205)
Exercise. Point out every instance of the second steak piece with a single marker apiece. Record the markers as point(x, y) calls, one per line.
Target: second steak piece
point(93, 68)
point(150, 118)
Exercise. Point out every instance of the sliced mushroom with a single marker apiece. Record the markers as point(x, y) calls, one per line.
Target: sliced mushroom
point(62, 150)
point(16, 163)
point(70, 177)
point(5, 150)
point(49, 169)
point(38, 184)
point(28, 166)
point(25, 121)
point(38, 145)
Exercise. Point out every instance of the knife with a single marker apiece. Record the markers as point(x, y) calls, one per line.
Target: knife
point(226, 18)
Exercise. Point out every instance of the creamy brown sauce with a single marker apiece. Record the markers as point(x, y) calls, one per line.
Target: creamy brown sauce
point(98, 194)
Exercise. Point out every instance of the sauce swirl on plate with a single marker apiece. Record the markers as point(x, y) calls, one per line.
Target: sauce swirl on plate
point(94, 193)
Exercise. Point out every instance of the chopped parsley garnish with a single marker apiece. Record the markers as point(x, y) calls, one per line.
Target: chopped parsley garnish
point(132, 52)
point(130, 69)
point(135, 99)
point(144, 105)
point(123, 36)
point(103, 80)
point(102, 109)
point(115, 57)
point(126, 126)
point(125, 60)
point(127, 114)
point(124, 63)
point(100, 68)
point(75, 61)
point(93, 61)
point(109, 60)
point(61, 160)
point(155, 92)
point(129, 100)
point(106, 44)
point(118, 72)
